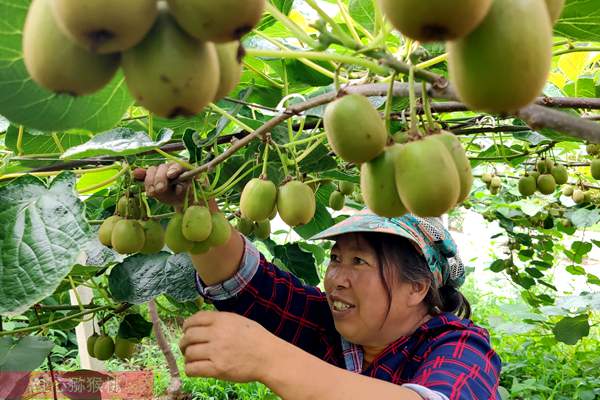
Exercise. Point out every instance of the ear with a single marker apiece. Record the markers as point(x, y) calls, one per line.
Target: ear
point(418, 291)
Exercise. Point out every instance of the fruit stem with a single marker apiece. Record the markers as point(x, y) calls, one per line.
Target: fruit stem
point(346, 40)
point(291, 25)
point(435, 60)
point(427, 108)
point(265, 164)
point(575, 50)
point(106, 182)
point(178, 160)
point(283, 162)
point(309, 139)
point(227, 186)
point(389, 102)
point(194, 191)
point(413, 101)
point(309, 150)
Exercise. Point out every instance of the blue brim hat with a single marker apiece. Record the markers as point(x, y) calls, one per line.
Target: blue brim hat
point(427, 234)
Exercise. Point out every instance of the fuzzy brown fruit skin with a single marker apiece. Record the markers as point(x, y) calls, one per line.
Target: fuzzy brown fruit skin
point(258, 199)
point(174, 237)
point(56, 63)
point(555, 8)
point(546, 184)
point(426, 178)
point(296, 203)
point(463, 165)
point(262, 229)
point(595, 169)
point(155, 237)
point(104, 348)
point(217, 21)
point(336, 200)
point(378, 185)
point(527, 185)
point(128, 237)
point(435, 20)
point(354, 129)
point(503, 65)
point(124, 349)
point(230, 65)
point(105, 231)
point(105, 26)
point(560, 174)
point(221, 230)
point(170, 73)
point(197, 223)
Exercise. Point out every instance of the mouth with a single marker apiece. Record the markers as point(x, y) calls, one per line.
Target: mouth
point(340, 307)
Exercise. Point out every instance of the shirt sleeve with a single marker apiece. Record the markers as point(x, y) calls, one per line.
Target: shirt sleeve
point(460, 365)
point(280, 302)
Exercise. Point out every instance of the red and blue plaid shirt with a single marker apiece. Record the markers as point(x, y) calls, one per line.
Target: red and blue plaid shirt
point(445, 358)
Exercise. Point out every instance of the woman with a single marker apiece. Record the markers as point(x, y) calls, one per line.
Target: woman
point(389, 325)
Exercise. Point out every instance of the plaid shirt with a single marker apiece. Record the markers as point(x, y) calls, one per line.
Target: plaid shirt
point(445, 358)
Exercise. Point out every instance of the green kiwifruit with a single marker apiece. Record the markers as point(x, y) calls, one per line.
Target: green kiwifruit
point(503, 64)
point(378, 185)
point(540, 166)
point(567, 190)
point(170, 73)
point(245, 226)
point(346, 187)
point(105, 26)
point(486, 177)
point(496, 183)
point(578, 196)
point(197, 223)
point(401, 137)
point(549, 165)
point(461, 161)
point(555, 8)
point(104, 348)
point(535, 174)
point(546, 184)
point(435, 20)
point(230, 66)
point(595, 168)
point(105, 231)
point(221, 230)
point(592, 149)
point(155, 237)
point(258, 199)
point(200, 247)
point(336, 200)
point(124, 349)
point(217, 21)
point(129, 207)
point(587, 196)
point(527, 185)
point(426, 177)
point(296, 203)
point(262, 229)
point(91, 341)
point(55, 62)
point(494, 190)
point(128, 236)
point(174, 236)
point(354, 129)
point(560, 174)
point(274, 212)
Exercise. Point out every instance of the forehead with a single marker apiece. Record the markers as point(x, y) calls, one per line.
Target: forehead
point(351, 241)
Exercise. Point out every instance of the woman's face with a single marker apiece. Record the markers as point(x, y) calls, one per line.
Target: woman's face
point(353, 278)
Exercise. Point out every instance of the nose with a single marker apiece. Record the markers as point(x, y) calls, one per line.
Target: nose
point(337, 277)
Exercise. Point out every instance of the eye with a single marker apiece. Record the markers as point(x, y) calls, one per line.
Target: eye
point(358, 260)
point(334, 258)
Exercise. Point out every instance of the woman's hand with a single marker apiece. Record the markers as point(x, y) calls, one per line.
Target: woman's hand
point(160, 183)
point(226, 346)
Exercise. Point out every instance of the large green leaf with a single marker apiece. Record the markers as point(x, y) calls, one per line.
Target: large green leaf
point(38, 142)
point(141, 278)
point(580, 20)
point(363, 12)
point(134, 326)
point(118, 142)
point(22, 101)
point(41, 232)
point(299, 262)
point(570, 329)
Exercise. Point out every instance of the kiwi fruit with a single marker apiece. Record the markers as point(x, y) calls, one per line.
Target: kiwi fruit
point(217, 21)
point(484, 77)
point(578, 196)
point(549, 164)
point(567, 190)
point(560, 174)
point(336, 200)
point(245, 226)
point(196, 224)
point(56, 63)
point(592, 149)
point(546, 184)
point(105, 231)
point(587, 196)
point(221, 230)
point(105, 26)
point(124, 349)
point(296, 203)
point(129, 207)
point(535, 174)
point(91, 341)
point(540, 166)
point(174, 237)
point(273, 213)
point(200, 247)
point(230, 65)
point(104, 348)
point(496, 183)
point(427, 180)
point(595, 168)
point(527, 185)
point(486, 177)
point(258, 199)
point(378, 185)
point(347, 188)
point(435, 20)
point(155, 237)
point(170, 73)
point(128, 236)
point(461, 161)
point(262, 229)
point(555, 8)
point(354, 128)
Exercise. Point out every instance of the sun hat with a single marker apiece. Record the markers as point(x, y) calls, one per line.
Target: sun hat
point(428, 235)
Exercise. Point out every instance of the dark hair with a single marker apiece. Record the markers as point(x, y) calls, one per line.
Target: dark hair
point(400, 261)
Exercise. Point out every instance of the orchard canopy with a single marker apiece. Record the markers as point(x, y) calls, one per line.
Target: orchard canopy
point(326, 105)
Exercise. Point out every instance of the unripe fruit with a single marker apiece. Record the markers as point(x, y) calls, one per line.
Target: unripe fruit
point(174, 237)
point(346, 187)
point(197, 224)
point(560, 174)
point(128, 236)
point(230, 64)
point(496, 183)
point(104, 348)
point(592, 149)
point(105, 231)
point(578, 196)
point(546, 184)
point(587, 196)
point(91, 341)
point(124, 349)
point(378, 185)
point(258, 199)
point(527, 185)
point(555, 8)
point(128, 207)
point(336, 200)
point(595, 168)
point(567, 190)
point(486, 177)
point(273, 213)
point(535, 174)
point(549, 165)
point(155, 237)
point(540, 166)
point(262, 229)
point(221, 230)
point(200, 247)
point(461, 161)
point(245, 226)
point(296, 203)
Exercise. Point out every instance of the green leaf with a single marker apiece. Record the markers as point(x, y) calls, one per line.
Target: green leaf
point(570, 329)
point(41, 231)
point(581, 248)
point(583, 217)
point(22, 101)
point(575, 270)
point(118, 142)
point(499, 265)
point(583, 87)
point(38, 142)
point(580, 20)
point(134, 326)
point(534, 272)
point(140, 278)
point(24, 354)
point(363, 12)
point(298, 262)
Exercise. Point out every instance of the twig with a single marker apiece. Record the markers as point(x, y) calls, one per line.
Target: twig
point(122, 308)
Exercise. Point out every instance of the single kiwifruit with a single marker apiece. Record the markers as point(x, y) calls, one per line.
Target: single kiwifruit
point(486, 177)
point(496, 183)
point(230, 66)
point(296, 203)
point(463, 165)
point(560, 174)
point(262, 229)
point(174, 236)
point(354, 129)
point(170, 73)
point(221, 230)
point(197, 223)
point(245, 226)
point(592, 149)
point(527, 185)
point(105, 26)
point(595, 168)
point(128, 236)
point(258, 199)
point(124, 349)
point(129, 207)
point(200, 247)
point(347, 188)
point(578, 196)
point(91, 341)
point(546, 184)
point(549, 165)
point(55, 62)
point(336, 200)
point(155, 237)
point(105, 231)
point(435, 20)
point(104, 348)
point(567, 190)
point(540, 166)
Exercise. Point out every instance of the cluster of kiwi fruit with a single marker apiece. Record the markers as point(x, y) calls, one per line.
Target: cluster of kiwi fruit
point(546, 177)
point(130, 230)
point(593, 149)
point(492, 182)
point(261, 200)
point(488, 45)
point(337, 198)
point(177, 55)
point(196, 230)
point(103, 347)
point(578, 194)
point(426, 176)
